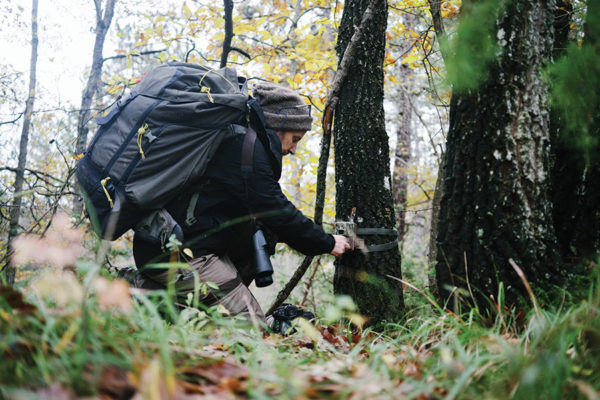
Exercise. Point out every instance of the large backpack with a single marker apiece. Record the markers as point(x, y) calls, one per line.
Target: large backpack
point(158, 140)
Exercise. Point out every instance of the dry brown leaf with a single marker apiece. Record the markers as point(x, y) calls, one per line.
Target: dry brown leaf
point(329, 335)
point(113, 295)
point(227, 375)
point(16, 301)
point(324, 390)
point(189, 390)
point(115, 383)
point(54, 392)
point(155, 383)
point(413, 370)
point(60, 247)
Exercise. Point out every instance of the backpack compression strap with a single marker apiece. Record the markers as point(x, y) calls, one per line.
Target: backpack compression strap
point(246, 165)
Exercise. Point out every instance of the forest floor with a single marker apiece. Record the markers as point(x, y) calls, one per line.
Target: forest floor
point(78, 332)
point(93, 339)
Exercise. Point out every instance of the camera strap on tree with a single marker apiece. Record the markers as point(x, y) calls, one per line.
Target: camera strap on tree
point(372, 248)
point(353, 233)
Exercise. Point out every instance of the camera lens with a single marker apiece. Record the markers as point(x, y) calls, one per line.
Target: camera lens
point(262, 281)
point(262, 263)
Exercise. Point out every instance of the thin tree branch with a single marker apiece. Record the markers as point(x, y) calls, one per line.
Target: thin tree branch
point(141, 53)
point(309, 284)
point(228, 5)
point(12, 121)
point(38, 174)
point(435, 8)
point(242, 52)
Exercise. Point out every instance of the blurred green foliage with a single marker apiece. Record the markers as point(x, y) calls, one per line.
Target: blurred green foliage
point(575, 83)
point(575, 86)
point(473, 46)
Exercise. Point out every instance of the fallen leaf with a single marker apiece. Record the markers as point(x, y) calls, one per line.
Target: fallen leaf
point(217, 379)
point(113, 294)
point(60, 247)
point(154, 383)
point(115, 383)
point(328, 334)
point(62, 287)
point(413, 370)
point(15, 300)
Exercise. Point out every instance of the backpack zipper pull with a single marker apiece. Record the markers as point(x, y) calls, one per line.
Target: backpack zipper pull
point(206, 89)
point(103, 182)
point(141, 133)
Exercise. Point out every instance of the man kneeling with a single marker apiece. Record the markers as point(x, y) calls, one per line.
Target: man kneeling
point(240, 193)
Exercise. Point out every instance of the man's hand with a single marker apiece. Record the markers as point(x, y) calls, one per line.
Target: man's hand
point(341, 245)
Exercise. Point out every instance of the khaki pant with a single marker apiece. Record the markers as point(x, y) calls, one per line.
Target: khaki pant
point(233, 294)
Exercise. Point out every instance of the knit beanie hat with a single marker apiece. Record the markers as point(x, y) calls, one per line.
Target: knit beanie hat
point(284, 109)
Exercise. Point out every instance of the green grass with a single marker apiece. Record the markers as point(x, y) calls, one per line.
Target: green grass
point(80, 346)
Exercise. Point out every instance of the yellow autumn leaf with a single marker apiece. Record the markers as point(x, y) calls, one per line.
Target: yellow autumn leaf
point(298, 79)
point(186, 11)
point(78, 157)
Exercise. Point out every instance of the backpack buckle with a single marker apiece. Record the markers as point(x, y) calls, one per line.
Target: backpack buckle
point(191, 221)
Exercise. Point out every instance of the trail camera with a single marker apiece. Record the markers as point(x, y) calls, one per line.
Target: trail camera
point(346, 228)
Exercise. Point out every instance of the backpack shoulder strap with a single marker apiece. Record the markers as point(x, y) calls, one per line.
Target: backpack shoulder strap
point(248, 151)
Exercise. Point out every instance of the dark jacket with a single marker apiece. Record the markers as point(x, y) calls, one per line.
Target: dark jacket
point(226, 200)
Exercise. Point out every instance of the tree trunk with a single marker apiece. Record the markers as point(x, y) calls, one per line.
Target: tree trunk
point(362, 168)
point(402, 158)
point(85, 112)
point(440, 34)
point(403, 135)
point(15, 211)
point(433, 230)
point(495, 204)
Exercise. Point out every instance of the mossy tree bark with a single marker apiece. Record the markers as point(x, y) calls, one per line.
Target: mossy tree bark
point(362, 168)
point(495, 203)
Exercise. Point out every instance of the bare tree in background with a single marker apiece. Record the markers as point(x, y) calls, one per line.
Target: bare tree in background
point(405, 76)
point(15, 210)
point(103, 21)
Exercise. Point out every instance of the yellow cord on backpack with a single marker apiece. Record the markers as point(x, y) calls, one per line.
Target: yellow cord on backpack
point(141, 133)
point(103, 183)
point(206, 89)
point(209, 71)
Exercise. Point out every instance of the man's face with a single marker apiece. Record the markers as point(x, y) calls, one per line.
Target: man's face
point(289, 141)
